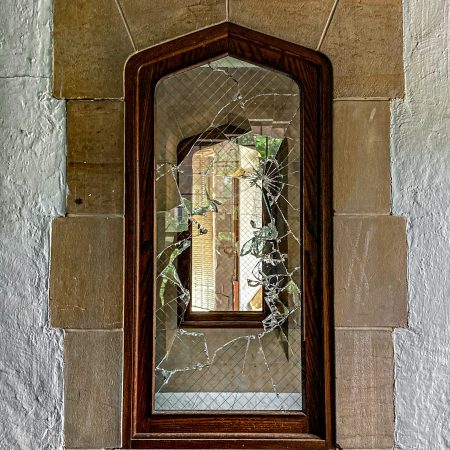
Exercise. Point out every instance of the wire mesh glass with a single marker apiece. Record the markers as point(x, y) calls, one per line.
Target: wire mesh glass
point(228, 150)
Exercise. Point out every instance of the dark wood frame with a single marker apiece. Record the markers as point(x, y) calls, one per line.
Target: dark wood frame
point(142, 427)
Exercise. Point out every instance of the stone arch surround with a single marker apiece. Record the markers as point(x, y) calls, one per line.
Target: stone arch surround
point(92, 40)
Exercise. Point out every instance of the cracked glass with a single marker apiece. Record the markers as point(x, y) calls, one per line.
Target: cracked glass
point(228, 213)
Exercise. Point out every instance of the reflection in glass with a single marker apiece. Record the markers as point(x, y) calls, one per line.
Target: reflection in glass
point(228, 208)
point(228, 238)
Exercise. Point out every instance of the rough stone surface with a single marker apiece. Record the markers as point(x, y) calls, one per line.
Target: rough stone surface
point(364, 43)
point(25, 38)
point(32, 188)
point(95, 157)
point(361, 160)
point(86, 286)
point(364, 389)
point(91, 45)
point(370, 271)
point(169, 18)
point(299, 21)
point(421, 185)
point(92, 388)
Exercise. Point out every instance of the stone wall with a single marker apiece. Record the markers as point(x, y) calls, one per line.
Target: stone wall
point(92, 40)
point(364, 43)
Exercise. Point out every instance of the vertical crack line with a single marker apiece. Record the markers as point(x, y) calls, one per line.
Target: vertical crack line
point(327, 25)
point(127, 28)
point(227, 10)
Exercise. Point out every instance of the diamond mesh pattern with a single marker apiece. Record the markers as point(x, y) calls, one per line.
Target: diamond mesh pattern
point(232, 202)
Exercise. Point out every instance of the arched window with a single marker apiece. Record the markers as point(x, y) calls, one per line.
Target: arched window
point(228, 325)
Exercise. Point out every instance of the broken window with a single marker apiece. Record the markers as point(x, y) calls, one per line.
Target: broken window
point(230, 221)
point(228, 206)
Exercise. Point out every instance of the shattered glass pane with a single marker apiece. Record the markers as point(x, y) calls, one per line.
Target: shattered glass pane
point(228, 189)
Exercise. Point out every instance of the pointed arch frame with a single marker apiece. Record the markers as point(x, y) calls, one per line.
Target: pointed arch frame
point(142, 427)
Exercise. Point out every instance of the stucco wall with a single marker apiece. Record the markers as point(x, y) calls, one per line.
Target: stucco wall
point(421, 192)
point(32, 191)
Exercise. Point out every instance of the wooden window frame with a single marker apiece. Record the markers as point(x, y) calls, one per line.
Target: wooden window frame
point(143, 427)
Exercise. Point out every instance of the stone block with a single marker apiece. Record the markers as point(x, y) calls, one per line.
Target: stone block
point(86, 281)
point(361, 160)
point(370, 271)
point(365, 46)
point(95, 157)
point(364, 389)
point(92, 388)
point(298, 21)
point(170, 18)
point(91, 46)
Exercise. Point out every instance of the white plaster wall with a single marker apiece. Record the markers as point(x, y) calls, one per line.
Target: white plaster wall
point(32, 191)
point(421, 192)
